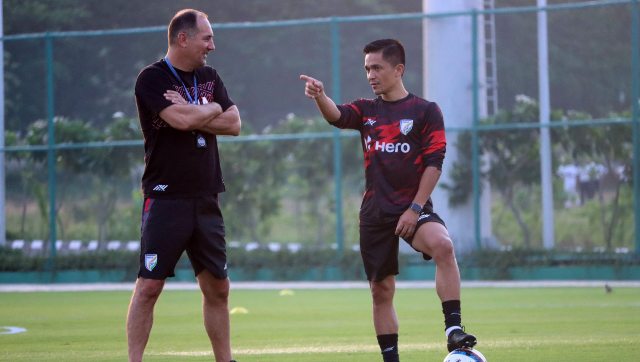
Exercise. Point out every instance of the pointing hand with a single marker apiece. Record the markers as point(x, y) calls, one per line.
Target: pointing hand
point(313, 87)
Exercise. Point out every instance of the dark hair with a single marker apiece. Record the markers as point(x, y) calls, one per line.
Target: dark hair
point(392, 50)
point(185, 20)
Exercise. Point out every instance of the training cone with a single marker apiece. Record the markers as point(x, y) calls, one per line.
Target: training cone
point(239, 310)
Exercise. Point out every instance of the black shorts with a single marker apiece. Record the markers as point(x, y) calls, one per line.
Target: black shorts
point(379, 245)
point(171, 226)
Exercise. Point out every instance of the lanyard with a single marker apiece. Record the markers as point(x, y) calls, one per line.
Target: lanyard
point(195, 82)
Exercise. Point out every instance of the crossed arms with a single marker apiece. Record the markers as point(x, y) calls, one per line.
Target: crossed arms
point(209, 118)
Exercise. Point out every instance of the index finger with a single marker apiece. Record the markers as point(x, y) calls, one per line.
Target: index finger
point(307, 78)
point(398, 229)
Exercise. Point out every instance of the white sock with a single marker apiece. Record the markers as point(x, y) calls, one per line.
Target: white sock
point(451, 329)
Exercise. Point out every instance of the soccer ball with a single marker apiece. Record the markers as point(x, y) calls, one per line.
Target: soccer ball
point(465, 355)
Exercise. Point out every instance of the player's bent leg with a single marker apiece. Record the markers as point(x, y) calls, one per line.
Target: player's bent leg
point(140, 315)
point(433, 239)
point(215, 309)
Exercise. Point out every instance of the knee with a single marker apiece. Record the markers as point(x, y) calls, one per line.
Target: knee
point(443, 249)
point(216, 294)
point(216, 298)
point(148, 290)
point(219, 295)
point(382, 292)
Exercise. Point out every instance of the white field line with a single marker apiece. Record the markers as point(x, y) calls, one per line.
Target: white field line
point(318, 285)
point(309, 349)
point(369, 348)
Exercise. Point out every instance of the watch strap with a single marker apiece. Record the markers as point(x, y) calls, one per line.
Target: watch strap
point(415, 207)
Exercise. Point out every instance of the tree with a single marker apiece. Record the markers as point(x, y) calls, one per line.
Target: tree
point(512, 160)
point(514, 157)
point(513, 168)
point(113, 164)
point(310, 176)
point(286, 180)
point(609, 146)
point(27, 169)
point(91, 166)
point(254, 178)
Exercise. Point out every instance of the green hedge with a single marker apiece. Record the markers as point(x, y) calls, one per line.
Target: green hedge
point(319, 263)
point(283, 263)
point(17, 261)
point(497, 264)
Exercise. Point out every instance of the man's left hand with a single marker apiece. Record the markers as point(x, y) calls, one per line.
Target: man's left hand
point(174, 97)
point(407, 224)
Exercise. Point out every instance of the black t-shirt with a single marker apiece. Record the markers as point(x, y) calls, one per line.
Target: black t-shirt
point(176, 165)
point(399, 140)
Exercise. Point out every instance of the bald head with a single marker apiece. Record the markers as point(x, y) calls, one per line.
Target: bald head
point(185, 21)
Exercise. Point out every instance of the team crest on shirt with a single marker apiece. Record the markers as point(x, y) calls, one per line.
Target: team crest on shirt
point(150, 261)
point(405, 126)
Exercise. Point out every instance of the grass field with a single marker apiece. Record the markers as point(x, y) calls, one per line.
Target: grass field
point(519, 324)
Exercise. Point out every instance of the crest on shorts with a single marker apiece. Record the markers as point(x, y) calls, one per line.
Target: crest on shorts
point(150, 261)
point(406, 125)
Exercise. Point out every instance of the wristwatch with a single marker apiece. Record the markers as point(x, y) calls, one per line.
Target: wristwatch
point(415, 208)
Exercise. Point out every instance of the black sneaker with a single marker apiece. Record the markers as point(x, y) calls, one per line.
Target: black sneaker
point(459, 339)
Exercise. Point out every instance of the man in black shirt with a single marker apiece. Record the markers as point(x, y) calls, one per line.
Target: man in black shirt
point(403, 141)
point(183, 105)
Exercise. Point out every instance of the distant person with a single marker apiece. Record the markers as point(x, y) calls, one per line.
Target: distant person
point(183, 105)
point(404, 143)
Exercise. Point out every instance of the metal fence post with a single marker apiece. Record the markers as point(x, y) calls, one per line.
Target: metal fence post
point(635, 91)
point(475, 142)
point(337, 145)
point(51, 153)
point(3, 214)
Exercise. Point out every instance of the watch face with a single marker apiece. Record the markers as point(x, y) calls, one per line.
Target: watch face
point(415, 207)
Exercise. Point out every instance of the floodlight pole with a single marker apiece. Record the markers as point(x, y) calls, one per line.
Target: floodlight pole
point(545, 138)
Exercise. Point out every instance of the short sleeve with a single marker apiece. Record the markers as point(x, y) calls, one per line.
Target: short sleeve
point(220, 94)
point(150, 88)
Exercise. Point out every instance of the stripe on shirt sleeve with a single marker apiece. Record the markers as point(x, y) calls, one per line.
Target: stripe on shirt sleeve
point(437, 141)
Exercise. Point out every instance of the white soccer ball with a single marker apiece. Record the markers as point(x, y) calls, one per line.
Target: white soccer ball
point(465, 355)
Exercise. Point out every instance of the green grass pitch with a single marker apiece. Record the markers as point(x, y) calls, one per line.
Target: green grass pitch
point(512, 324)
